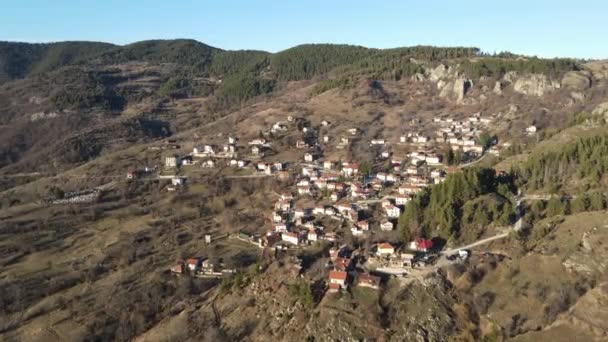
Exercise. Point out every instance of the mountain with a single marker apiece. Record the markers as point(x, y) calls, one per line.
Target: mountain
point(505, 154)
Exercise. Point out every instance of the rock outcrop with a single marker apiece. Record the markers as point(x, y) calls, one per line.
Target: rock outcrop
point(534, 85)
point(454, 90)
point(601, 109)
point(577, 80)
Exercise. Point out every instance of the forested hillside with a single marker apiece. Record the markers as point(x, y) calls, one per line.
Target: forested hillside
point(579, 166)
point(461, 206)
point(19, 60)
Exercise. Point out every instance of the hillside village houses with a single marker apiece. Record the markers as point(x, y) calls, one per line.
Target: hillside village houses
point(332, 190)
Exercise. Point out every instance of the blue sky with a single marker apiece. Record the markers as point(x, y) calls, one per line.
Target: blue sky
point(542, 27)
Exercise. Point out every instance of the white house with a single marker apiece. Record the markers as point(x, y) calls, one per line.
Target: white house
point(280, 227)
point(291, 237)
point(385, 249)
point(386, 225)
point(350, 170)
point(531, 130)
point(176, 181)
point(308, 157)
point(171, 161)
point(337, 280)
point(393, 211)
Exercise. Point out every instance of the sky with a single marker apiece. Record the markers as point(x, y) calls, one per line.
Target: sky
point(546, 28)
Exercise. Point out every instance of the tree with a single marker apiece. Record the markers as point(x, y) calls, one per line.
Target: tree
point(580, 204)
point(597, 201)
point(554, 207)
point(486, 139)
point(449, 156)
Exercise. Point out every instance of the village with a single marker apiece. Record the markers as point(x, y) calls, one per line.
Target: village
point(335, 202)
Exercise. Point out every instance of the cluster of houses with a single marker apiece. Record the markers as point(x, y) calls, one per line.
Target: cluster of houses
point(200, 267)
point(343, 273)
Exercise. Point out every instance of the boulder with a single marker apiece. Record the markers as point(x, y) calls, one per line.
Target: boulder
point(534, 85)
point(578, 80)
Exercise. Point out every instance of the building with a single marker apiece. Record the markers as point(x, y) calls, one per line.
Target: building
point(531, 130)
point(337, 280)
point(193, 264)
point(177, 181)
point(308, 157)
point(393, 211)
point(421, 245)
point(350, 169)
point(291, 237)
point(385, 249)
point(367, 280)
point(386, 225)
point(171, 161)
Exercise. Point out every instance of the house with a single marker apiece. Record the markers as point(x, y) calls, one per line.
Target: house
point(301, 144)
point(178, 267)
point(434, 159)
point(202, 150)
point(308, 157)
point(325, 138)
point(377, 142)
point(421, 245)
point(420, 139)
point(232, 140)
point(278, 166)
point(386, 225)
point(187, 160)
point(312, 235)
point(258, 141)
point(352, 131)
point(325, 123)
point(276, 217)
point(208, 164)
point(403, 139)
point(303, 190)
point(328, 164)
point(385, 249)
point(350, 169)
point(291, 237)
point(344, 141)
point(343, 264)
point(171, 161)
point(334, 196)
point(255, 150)
point(193, 264)
point(176, 181)
point(131, 174)
point(280, 227)
point(393, 211)
point(330, 211)
point(241, 163)
point(356, 231)
point(337, 280)
point(229, 149)
point(531, 130)
point(367, 280)
point(402, 199)
point(364, 225)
